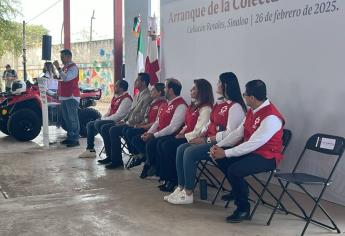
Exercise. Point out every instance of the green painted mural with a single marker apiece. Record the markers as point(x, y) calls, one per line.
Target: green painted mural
point(95, 61)
point(99, 74)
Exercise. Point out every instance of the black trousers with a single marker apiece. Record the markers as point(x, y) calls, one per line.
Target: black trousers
point(166, 158)
point(138, 144)
point(152, 152)
point(115, 135)
point(105, 133)
point(129, 133)
point(149, 148)
point(237, 168)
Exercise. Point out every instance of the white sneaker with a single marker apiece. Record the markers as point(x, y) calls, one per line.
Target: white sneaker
point(173, 194)
point(88, 154)
point(181, 199)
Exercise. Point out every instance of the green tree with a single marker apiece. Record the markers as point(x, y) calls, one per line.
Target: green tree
point(9, 9)
point(11, 33)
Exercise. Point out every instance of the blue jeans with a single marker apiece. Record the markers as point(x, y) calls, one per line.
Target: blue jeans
point(70, 116)
point(187, 157)
point(93, 128)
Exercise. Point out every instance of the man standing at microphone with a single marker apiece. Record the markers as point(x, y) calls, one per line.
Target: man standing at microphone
point(69, 95)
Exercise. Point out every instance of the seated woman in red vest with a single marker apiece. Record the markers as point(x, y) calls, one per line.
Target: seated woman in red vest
point(260, 150)
point(170, 120)
point(158, 101)
point(229, 113)
point(197, 117)
point(119, 108)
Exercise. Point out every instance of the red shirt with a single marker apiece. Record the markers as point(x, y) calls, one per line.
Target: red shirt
point(191, 118)
point(154, 109)
point(116, 102)
point(273, 148)
point(219, 118)
point(69, 88)
point(167, 111)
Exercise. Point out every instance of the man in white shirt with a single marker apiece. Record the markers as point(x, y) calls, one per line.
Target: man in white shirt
point(69, 95)
point(112, 136)
point(260, 150)
point(170, 120)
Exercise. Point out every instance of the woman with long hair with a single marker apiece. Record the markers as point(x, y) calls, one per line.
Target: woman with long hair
point(226, 116)
point(197, 116)
point(49, 73)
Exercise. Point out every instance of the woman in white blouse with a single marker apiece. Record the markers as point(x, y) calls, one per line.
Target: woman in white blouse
point(49, 73)
point(230, 111)
point(197, 116)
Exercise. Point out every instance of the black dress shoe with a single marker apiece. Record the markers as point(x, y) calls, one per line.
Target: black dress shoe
point(104, 161)
point(65, 141)
point(151, 171)
point(238, 216)
point(135, 162)
point(168, 187)
point(73, 144)
point(228, 197)
point(162, 185)
point(112, 166)
point(143, 174)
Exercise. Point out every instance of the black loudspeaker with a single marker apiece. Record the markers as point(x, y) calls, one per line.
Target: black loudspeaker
point(46, 47)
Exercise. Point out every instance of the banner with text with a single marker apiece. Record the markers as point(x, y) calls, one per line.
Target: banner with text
point(296, 46)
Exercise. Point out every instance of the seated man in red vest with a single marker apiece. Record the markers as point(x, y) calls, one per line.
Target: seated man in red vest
point(170, 120)
point(69, 95)
point(256, 146)
point(119, 108)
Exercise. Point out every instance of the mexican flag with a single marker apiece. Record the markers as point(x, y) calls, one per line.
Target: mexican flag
point(140, 49)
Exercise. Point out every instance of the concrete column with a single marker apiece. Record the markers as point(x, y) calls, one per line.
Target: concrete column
point(67, 24)
point(118, 39)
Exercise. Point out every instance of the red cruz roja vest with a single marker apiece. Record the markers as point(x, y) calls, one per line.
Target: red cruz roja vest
point(273, 148)
point(154, 109)
point(191, 118)
point(116, 102)
point(167, 111)
point(69, 88)
point(219, 117)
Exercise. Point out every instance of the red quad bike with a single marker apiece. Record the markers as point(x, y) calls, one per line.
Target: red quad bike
point(21, 112)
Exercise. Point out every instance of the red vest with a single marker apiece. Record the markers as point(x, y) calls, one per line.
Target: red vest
point(116, 102)
point(154, 108)
point(273, 148)
point(167, 111)
point(219, 118)
point(69, 88)
point(191, 118)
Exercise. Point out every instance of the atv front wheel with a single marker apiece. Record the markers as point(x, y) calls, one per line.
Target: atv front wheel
point(24, 125)
point(3, 127)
